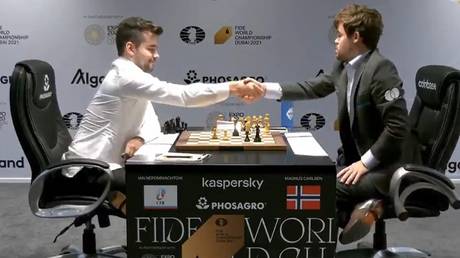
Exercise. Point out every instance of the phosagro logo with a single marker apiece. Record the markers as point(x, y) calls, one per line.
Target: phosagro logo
point(312, 121)
point(84, 78)
point(192, 35)
point(192, 77)
point(203, 204)
point(231, 183)
point(10, 163)
point(72, 120)
point(425, 84)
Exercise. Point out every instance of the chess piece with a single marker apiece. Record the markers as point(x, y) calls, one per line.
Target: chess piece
point(235, 131)
point(225, 138)
point(257, 137)
point(267, 126)
point(214, 134)
point(246, 139)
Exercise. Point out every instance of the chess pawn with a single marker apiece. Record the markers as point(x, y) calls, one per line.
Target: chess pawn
point(225, 138)
point(266, 125)
point(267, 128)
point(214, 134)
point(246, 139)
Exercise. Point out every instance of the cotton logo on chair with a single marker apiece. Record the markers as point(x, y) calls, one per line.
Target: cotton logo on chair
point(392, 94)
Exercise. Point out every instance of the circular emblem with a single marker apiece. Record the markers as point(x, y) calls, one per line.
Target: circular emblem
point(94, 34)
point(312, 121)
point(192, 35)
point(221, 222)
point(392, 94)
point(72, 120)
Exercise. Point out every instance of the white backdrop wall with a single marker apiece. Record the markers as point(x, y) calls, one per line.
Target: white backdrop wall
point(294, 42)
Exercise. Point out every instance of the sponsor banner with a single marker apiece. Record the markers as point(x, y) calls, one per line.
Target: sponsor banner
point(181, 212)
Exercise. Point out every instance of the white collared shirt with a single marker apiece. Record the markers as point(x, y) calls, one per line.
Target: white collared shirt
point(122, 109)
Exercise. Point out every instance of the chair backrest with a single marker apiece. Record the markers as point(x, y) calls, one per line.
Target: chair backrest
point(435, 114)
point(36, 116)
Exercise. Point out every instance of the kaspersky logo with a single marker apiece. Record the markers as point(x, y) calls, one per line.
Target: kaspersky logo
point(192, 35)
point(223, 34)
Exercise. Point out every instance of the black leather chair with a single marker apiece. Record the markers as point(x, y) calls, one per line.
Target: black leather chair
point(423, 190)
point(44, 138)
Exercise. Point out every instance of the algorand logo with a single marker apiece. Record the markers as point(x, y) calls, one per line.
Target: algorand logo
point(203, 204)
point(84, 78)
point(232, 183)
point(425, 84)
point(312, 121)
point(192, 35)
point(192, 77)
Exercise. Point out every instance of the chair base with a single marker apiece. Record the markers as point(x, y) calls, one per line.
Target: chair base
point(72, 251)
point(390, 252)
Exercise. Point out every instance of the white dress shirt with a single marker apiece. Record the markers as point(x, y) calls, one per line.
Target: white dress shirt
point(122, 109)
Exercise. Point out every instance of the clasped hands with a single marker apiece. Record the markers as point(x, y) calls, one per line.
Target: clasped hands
point(249, 90)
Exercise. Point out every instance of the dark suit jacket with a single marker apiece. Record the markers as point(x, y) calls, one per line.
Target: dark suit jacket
point(378, 117)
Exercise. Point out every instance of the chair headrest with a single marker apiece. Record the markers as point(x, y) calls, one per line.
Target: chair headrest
point(431, 82)
point(43, 79)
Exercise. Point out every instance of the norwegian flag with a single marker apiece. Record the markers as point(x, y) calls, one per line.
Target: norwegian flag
point(303, 197)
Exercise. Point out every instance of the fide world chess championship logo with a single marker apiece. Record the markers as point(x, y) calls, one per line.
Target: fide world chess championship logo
point(192, 35)
point(312, 121)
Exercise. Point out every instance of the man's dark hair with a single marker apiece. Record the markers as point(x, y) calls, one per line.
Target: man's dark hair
point(359, 18)
point(131, 29)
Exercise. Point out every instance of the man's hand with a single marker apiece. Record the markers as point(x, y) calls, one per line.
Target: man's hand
point(132, 146)
point(249, 90)
point(352, 173)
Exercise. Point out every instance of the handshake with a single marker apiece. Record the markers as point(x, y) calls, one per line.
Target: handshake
point(249, 90)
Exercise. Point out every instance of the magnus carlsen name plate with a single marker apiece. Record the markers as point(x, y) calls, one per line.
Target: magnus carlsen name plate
point(218, 214)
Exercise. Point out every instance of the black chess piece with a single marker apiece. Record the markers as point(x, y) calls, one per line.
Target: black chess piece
point(235, 131)
point(247, 136)
point(257, 137)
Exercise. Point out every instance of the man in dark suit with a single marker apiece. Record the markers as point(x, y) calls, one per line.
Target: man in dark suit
point(372, 116)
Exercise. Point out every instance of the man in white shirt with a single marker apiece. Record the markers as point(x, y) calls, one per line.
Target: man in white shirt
point(120, 117)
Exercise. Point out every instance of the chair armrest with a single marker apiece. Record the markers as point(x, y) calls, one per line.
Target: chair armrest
point(428, 179)
point(431, 172)
point(80, 162)
point(67, 210)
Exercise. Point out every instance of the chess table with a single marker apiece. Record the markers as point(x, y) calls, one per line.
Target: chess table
point(287, 201)
point(202, 141)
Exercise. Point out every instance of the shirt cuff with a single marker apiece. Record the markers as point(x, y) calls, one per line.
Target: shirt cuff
point(369, 160)
point(222, 90)
point(273, 90)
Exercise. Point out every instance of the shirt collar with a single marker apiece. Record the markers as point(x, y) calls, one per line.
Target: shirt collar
point(125, 63)
point(357, 60)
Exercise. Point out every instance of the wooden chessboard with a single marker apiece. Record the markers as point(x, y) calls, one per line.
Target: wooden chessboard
point(201, 140)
